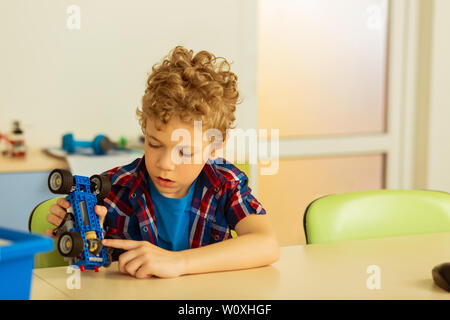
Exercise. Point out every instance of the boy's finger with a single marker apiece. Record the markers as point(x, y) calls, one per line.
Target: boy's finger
point(53, 219)
point(63, 203)
point(57, 210)
point(121, 244)
point(100, 211)
point(49, 232)
point(126, 257)
point(133, 265)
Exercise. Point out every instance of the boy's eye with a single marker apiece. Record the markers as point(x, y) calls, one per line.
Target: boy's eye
point(185, 153)
point(153, 146)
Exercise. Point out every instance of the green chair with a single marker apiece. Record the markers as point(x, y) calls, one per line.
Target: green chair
point(244, 167)
point(376, 214)
point(38, 223)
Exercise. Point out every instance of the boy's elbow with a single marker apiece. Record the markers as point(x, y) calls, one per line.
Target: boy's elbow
point(272, 249)
point(276, 252)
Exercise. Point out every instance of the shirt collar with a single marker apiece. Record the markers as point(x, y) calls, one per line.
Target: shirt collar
point(209, 175)
point(134, 174)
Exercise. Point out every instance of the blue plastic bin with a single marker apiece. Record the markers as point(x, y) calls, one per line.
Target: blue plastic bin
point(16, 262)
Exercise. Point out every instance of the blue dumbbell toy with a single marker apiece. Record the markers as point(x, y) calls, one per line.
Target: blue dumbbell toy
point(101, 144)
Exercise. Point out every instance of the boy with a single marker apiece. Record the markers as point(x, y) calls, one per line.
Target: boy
point(173, 209)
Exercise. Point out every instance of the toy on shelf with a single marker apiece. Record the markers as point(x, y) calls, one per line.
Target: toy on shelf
point(132, 143)
point(80, 234)
point(16, 143)
point(101, 144)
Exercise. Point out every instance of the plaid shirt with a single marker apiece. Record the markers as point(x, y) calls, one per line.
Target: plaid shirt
point(221, 199)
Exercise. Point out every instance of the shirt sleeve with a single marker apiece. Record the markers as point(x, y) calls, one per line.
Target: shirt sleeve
point(241, 203)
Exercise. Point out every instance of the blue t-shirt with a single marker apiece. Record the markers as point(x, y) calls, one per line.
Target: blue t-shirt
point(172, 219)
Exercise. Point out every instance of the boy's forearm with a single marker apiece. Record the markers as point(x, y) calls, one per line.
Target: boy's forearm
point(246, 251)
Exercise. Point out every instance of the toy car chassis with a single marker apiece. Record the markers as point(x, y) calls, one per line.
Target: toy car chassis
point(80, 234)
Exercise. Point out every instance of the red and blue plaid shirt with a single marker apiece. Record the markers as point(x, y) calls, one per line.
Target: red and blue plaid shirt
point(221, 199)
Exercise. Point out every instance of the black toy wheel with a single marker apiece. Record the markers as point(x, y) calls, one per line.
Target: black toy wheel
point(109, 258)
point(101, 186)
point(60, 181)
point(70, 244)
point(95, 246)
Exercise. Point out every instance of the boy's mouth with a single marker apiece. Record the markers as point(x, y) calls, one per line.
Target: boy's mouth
point(164, 182)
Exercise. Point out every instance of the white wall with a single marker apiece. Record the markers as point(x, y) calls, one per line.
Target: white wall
point(91, 80)
point(439, 125)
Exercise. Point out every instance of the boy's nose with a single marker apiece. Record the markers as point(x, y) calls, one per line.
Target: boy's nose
point(165, 162)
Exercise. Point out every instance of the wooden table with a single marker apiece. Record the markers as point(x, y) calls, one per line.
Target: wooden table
point(325, 271)
point(23, 184)
point(35, 160)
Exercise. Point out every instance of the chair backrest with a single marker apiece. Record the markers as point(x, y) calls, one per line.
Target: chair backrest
point(376, 214)
point(37, 223)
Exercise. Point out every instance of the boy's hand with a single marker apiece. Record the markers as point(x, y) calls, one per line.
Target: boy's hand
point(143, 259)
point(59, 210)
point(57, 213)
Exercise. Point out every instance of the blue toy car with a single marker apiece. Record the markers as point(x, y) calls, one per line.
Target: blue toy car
point(80, 234)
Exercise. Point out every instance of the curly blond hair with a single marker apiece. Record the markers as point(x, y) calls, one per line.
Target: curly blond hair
point(199, 87)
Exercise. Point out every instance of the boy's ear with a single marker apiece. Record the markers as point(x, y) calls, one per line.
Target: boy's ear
point(218, 146)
